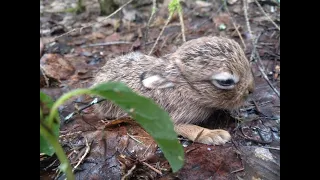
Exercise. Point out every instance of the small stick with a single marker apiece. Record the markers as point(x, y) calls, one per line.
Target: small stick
point(128, 173)
point(95, 101)
point(70, 134)
point(264, 13)
point(238, 170)
point(154, 8)
point(266, 147)
point(106, 44)
point(189, 150)
point(181, 23)
point(134, 138)
point(166, 24)
point(84, 155)
point(256, 105)
point(266, 78)
point(236, 28)
point(255, 53)
point(146, 150)
point(274, 148)
point(255, 42)
point(151, 167)
point(120, 8)
point(245, 9)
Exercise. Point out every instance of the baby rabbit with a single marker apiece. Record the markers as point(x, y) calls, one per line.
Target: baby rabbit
point(204, 74)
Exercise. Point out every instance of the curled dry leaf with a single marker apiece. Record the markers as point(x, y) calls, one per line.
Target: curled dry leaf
point(56, 67)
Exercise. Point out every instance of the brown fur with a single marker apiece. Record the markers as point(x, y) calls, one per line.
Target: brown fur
point(192, 98)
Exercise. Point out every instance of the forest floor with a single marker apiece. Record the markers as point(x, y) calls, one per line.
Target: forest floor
point(70, 60)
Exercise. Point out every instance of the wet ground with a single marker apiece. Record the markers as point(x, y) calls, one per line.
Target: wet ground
point(123, 148)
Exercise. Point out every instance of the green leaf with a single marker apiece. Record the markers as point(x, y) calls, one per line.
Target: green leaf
point(45, 147)
point(174, 5)
point(149, 115)
point(46, 100)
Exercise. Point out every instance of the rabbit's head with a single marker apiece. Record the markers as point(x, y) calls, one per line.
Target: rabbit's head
point(214, 69)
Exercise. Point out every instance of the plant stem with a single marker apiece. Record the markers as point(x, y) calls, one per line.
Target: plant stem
point(164, 27)
point(64, 162)
point(181, 22)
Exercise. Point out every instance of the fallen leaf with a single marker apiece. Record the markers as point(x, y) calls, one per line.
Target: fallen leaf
point(56, 67)
point(222, 18)
point(113, 37)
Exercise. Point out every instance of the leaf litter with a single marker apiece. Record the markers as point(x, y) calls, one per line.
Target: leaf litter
point(122, 148)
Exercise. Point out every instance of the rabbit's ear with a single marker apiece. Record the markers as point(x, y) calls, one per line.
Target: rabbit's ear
point(155, 81)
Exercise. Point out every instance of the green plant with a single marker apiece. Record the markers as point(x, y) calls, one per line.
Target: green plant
point(147, 113)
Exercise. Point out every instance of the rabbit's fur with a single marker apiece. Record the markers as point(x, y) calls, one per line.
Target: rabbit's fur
point(189, 84)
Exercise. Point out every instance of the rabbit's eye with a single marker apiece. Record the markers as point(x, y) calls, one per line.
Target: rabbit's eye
point(227, 82)
point(224, 80)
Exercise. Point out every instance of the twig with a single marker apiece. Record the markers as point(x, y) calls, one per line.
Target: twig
point(50, 165)
point(84, 155)
point(266, 78)
point(151, 167)
point(189, 150)
point(255, 53)
point(70, 134)
point(128, 173)
point(266, 147)
point(146, 150)
point(264, 13)
point(166, 24)
point(245, 9)
point(107, 44)
point(273, 148)
point(134, 138)
point(154, 8)
point(234, 25)
point(254, 45)
point(257, 107)
point(181, 23)
point(80, 29)
point(95, 101)
point(238, 170)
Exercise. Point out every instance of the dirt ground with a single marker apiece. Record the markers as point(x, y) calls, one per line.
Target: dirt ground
point(74, 46)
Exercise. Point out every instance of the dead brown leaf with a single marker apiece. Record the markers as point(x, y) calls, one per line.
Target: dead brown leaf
point(113, 37)
point(56, 66)
point(222, 18)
